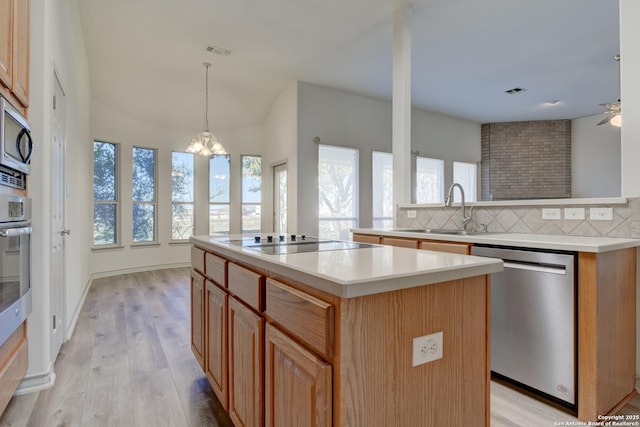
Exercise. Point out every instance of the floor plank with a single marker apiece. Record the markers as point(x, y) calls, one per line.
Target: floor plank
point(129, 364)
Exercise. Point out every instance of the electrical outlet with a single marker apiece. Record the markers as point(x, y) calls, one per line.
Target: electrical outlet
point(411, 214)
point(551, 213)
point(601, 214)
point(574, 213)
point(427, 348)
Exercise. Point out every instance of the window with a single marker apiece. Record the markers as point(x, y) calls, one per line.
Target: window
point(106, 204)
point(182, 170)
point(219, 179)
point(382, 185)
point(143, 183)
point(251, 193)
point(337, 191)
point(465, 174)
point(429, 180)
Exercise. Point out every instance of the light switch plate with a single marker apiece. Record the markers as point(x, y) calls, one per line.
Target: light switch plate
point(551, 213)
point(574, 213)
point(411, 214)
point(427, 348)
point(601, 214)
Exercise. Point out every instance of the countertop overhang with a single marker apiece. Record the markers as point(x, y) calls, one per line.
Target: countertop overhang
point(519, 240)
point(351, 273)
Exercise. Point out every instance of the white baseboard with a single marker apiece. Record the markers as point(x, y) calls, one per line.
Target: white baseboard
point(76, 314)
point(110, 273)
point(37, 382)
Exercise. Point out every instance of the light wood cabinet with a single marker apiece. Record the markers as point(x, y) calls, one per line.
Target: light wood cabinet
point(365, 238)
point(297, 384)
point(246, 365)
point(14, 52)
point(216, 341)
point(13, 364)
point(197, 316)
point(402, 243)
point(455, 248)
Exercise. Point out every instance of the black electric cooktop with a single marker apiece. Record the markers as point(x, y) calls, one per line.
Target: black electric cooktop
point(277, 245)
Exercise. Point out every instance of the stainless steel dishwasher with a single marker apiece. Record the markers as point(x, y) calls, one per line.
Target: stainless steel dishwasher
point(533, 321)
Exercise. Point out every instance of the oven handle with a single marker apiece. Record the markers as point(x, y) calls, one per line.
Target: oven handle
point(12, 232)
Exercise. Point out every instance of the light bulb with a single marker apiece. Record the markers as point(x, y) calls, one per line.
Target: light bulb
point(616, 120)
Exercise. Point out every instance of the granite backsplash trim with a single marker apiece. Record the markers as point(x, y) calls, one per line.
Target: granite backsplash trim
point(528, 219)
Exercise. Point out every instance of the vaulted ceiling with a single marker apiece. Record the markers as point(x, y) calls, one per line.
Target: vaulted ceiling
point(146, 56)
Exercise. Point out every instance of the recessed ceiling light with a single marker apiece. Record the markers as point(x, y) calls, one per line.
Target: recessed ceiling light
point(551, 103)
point(218, 50)
point(515, 90)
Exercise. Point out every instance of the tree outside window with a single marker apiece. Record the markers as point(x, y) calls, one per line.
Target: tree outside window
point(182, 188)
point(144, 195)
point(105, 194)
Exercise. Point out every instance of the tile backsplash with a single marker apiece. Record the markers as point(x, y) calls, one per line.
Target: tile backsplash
point(528, 219)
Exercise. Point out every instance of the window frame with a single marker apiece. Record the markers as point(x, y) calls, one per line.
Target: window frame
point(211, 204)
point(154, 203)
point(384, 221)
point(356, 196)
point(242, 202)
point(192, 203)
point(116, 202)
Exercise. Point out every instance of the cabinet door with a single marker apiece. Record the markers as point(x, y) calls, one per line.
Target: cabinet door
point(20, 86)
point(365, 238)
point(403, 243)
point(456, 248)
point(246, 366)
point(6, 42)
point(197, 316)
point(297, 384)
point(216, 341)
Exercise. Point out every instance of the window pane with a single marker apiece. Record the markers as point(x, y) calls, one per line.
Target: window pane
point(382, 185)
point(144, 222)
point(251, 179)
point(251, 218)
point(181, 221)
point(104, 171)
point(219, 218)
point(181, 177)
point(144, 175)
point(219, 179)
point(429, 180)
point(251, 193)
point(104, 223)
point(337, 191)
point(383, 223)
point(465, 174)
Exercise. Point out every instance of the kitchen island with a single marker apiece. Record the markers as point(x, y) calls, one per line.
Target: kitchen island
point(605, 304)
point(327, 337)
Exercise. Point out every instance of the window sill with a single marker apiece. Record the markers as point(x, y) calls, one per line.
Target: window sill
point(107, 248)
point(179, 242)
point(143, 245)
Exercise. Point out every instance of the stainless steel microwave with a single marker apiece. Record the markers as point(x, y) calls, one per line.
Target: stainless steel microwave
point(16, 145)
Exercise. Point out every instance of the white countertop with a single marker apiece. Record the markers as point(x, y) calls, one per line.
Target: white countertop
point(536, 241)
point(356, 272)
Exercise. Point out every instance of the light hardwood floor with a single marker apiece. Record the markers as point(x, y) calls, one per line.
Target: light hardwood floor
point(129, 364)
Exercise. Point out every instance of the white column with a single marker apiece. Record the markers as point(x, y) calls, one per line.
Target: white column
point(401, 106)
point(630, 96)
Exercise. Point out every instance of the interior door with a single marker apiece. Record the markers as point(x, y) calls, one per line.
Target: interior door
point(280, 198)
point(58, 195)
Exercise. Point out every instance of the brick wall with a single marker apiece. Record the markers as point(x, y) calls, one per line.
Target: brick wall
point(526, 160)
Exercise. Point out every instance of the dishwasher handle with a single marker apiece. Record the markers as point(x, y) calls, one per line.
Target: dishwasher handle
point(535, 267)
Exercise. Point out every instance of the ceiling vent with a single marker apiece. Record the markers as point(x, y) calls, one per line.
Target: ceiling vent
point(218, 50)
point(515, 90)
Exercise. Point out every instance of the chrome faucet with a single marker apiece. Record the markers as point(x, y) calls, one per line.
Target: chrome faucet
point(449, 201)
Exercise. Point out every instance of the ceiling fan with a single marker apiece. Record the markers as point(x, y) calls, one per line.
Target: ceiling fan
point(614, 109)
point(614, 114)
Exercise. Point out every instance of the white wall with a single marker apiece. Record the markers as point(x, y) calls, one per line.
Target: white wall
point(57, 41)
point(281, 127)
point(110, 125)
point(595, 158)
point(350, 120)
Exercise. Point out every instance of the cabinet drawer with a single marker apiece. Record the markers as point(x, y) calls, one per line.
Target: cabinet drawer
point(403, 243)
point(305, 316)
point(365, 238)
point(197, 259)
point(246, 285)
point(215, 268)
point(456, 248)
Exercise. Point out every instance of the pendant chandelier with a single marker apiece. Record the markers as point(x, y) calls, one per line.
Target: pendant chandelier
point(206, 143)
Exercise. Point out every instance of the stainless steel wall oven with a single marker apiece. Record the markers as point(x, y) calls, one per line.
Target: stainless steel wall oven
point(15, 263)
